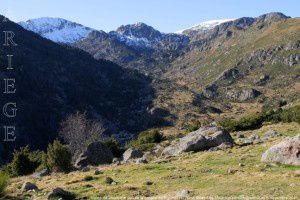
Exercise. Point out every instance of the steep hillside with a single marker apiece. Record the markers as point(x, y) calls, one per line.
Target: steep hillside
point(257, 66)
point(53, 81)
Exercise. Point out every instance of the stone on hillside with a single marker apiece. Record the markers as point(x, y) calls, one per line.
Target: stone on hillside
point(28, 186)
point(95, 154)
point(39, 174)
point(141, 161)
point(263, 79)
point(109, 180)
point(97, 172)
point(270, 134)
point(131, 154)
point(231, 171)
point(210, 91)
point(86, 169)
point(59, 193)
point(286, 152)
point(183, 194)
point(200, 140)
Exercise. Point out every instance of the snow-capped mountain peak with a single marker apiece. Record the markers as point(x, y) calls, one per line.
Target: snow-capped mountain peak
point(57, 29)
point(206, 25)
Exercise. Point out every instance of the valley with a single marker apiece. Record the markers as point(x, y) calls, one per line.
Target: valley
point(208, 112)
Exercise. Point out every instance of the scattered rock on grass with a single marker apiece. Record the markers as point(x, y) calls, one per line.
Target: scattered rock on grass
point(108, 180)
point(231, 171)
point(131, 154)
point(28, 186)
point(148, 183)
point(58, 193)
point(40, 174)
point(270, 134)
point(97, 172)
point(286, 152)
point(183, 194)
point(203, 139)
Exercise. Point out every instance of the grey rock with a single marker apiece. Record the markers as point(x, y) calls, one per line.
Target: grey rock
point(141, 161)
point(286, 152)
point(28, 186)
point(95, 154)
point(231, 171)
point(131, 154)
point(270, 134)
point(244, 141)
point(202, 139)
point(115, 160)
point(40, 174)
point(86, 169)
point(60, 193)
point(183, 194)
point(97, 172)
point(263, 79)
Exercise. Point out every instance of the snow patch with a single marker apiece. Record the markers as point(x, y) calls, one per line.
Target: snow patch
point(57, 29)
point(207, 25)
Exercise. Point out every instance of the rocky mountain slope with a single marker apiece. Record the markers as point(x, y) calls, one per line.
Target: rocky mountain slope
point(211, 72)
point(53, 81)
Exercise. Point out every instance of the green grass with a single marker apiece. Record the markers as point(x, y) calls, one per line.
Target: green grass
point(4, 178)
point(203, 173)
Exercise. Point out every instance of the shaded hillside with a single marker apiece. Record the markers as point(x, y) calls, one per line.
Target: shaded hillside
point(53, 81)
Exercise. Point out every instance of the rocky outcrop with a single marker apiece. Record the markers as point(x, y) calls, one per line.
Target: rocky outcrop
point(242, 95)
point(210, 91)
point(229, 74)
point(286, 152)
point(131, 154)
point(95, 154)
point(202, 139)
point(293, 59)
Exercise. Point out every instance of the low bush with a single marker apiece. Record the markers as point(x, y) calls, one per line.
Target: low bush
point(58, 157)
point(25, 162)
point(146, 140)
point(88, 178)
point(114, 147)
point(255, 121)
point(4, 178)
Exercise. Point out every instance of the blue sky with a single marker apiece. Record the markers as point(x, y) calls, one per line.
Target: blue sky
point(165, 15)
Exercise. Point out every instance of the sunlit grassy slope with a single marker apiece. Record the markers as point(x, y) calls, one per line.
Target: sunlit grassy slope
point(203, 174)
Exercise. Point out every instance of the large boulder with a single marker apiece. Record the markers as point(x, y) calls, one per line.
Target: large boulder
point(59, 193)
point(131, 154)
point(202, 139)
point(28, 186)
point(286, 152)
point(95, 154)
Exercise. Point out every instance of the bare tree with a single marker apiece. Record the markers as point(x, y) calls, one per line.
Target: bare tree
point(78, 131)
